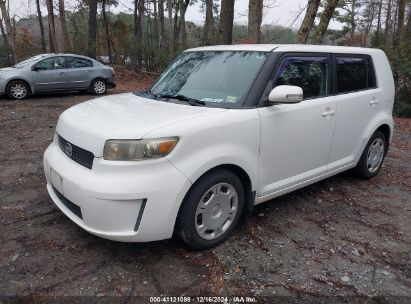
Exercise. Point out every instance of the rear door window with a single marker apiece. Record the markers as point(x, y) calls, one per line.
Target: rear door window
point(76, 63)
point(354, 74)
point(309, 73)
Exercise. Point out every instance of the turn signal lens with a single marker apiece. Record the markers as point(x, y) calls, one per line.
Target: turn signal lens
point(138, 149)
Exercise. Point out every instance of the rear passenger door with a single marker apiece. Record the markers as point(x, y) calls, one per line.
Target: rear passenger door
point(79, 71)
point(356, 94)
point(296, 139)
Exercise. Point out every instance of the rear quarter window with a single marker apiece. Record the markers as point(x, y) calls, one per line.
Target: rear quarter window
point(354, 73)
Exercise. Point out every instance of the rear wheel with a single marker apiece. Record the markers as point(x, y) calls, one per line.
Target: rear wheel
point(98, 87)
point(211, 210)
point(17, 89)
point(372, 157)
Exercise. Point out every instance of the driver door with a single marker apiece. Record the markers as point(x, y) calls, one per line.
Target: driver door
point(296, 139)
point(50, 74)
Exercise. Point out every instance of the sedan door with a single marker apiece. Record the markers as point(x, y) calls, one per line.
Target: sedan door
point(79, 72)
point(296, 138)
point(50, 74)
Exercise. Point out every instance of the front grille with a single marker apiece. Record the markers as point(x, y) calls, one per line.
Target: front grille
point(79, 155)
point(69, 205)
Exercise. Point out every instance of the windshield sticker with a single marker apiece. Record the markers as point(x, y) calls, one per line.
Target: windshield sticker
point(231, 99)
point(207, 99)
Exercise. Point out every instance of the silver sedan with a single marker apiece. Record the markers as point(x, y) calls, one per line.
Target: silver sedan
point(55, 73)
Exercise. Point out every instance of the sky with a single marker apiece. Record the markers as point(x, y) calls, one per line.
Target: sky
point(276, 12)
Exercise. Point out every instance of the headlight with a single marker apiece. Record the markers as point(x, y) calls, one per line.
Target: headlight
point(138, 149)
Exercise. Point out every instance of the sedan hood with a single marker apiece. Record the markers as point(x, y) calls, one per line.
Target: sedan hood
point(126, 116)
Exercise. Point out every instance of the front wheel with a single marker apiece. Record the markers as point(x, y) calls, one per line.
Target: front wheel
point(372, 157)
point(17, 89)
point(211, 210)
point(98, 87)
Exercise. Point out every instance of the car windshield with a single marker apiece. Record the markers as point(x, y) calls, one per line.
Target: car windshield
point(212, 77)
point(28, 61)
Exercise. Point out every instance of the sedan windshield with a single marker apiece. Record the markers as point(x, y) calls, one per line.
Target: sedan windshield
point(211, 77)
point(28, 61)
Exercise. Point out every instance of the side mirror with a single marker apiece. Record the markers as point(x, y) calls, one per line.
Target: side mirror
point(34, 68)
point(285, 94)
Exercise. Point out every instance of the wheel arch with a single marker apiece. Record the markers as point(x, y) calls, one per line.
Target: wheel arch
point(241, 174)
point(22, 80)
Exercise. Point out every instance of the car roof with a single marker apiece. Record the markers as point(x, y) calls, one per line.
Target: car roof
point(287, 48)
point(64, 54)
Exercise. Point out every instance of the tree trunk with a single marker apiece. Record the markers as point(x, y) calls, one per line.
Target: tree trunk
point(171, 36)
point(52, 28)
point(182, 23)
point(209, 23)
point(175, 21)
point(92, 29)
point(160, 24)
point(352, 21)
point(378, 31)
point(308, 22)
point(138, 31)
point(325, 20)
point(387, 22)
point(110, 55)
point(408, 29)
point(64, 27)
point(255, 17)
point(226, 21)
point(400, 22)
point(9, 30)
point(43, 39)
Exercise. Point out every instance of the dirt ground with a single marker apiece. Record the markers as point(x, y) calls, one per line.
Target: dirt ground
point(341, 238)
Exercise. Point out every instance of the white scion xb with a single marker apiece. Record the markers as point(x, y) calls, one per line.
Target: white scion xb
point(224, 128)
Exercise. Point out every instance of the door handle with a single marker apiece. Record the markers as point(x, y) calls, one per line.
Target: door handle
point(374, 101)
point(62, 73)
point(88, 71)
point(328, 112)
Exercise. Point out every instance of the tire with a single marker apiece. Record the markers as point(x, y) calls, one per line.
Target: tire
point(17, 90)
point(98, 87)
point(372, 157)
point(217, 210)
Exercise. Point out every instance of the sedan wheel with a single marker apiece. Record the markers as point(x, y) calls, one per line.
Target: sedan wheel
point(17, 90)
point(98, 87)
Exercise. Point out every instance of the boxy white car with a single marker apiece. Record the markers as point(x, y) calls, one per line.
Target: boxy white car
point(224, 128)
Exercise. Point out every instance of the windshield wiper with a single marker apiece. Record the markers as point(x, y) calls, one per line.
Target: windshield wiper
point(191, 101)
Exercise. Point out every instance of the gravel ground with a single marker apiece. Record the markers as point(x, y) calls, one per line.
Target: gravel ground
point(340, 238)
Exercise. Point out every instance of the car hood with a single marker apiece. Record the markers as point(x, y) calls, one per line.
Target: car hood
point(125, 116)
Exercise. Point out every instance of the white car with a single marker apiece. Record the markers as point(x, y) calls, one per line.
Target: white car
point(223, 129)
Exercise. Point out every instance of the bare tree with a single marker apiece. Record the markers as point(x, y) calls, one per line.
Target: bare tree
point(52, 28)
point(400, 22)
point(138, 31)
point(107, 30)
point(64, 27)
point(226, 21)
point(171, 35)
point(308, 21)
point(209, 23)
point(160, 24)
point(9, 30)
point(255, 17)
point(43, 38)
point(325, 20)
point(182, 24)
point(92, 29)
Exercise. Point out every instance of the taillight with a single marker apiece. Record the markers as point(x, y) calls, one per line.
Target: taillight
point(112, 71)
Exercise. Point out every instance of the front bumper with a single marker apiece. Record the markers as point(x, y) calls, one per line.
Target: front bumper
point(122, 201)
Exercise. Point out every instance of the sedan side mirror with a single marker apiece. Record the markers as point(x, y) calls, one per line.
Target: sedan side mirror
point(34, 68)
point(285, 94)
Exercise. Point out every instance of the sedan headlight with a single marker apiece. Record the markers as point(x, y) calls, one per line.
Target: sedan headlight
point(138, 149)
